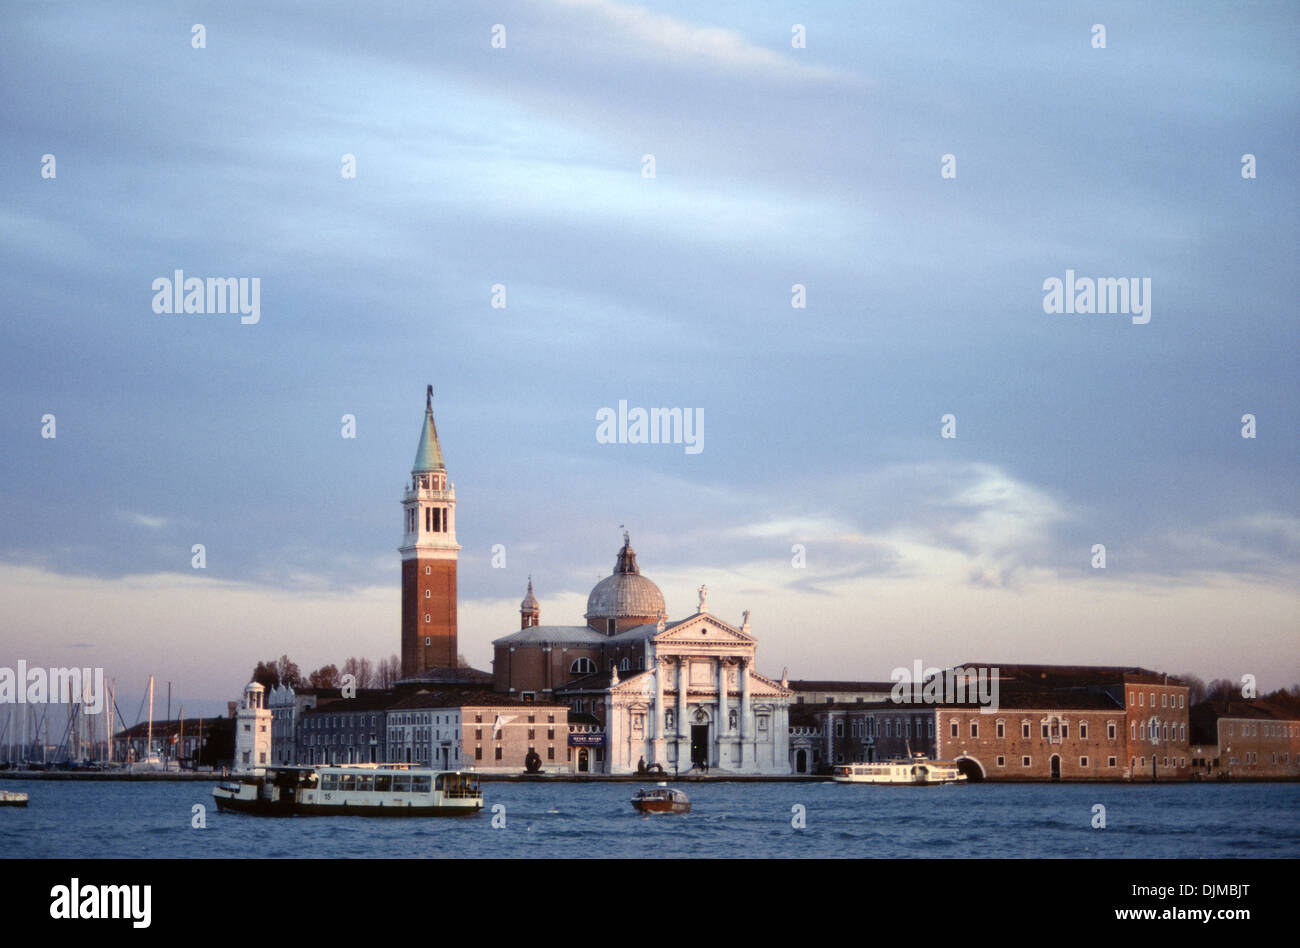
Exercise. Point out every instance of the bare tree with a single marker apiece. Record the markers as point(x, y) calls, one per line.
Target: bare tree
point(1196, 688)
point(289, 673)
point(1222, 688)
point(388, 671)
point(361, 670)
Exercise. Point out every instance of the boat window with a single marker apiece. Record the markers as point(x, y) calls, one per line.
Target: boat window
point(383, 783)
point(420, 784)
point(365, 782)
point(438, 783)
point(401, 783)
point(347, 781)
point(330, 782)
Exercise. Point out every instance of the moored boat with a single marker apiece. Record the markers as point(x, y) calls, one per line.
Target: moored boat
point(661, 799)
point(12, 798)
point(352, 790)
point(918, 771)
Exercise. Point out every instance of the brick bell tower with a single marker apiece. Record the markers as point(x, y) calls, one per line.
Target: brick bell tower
point(429, 551)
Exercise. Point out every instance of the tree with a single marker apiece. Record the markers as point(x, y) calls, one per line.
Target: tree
point(389, 670)
point(265, 674)
point(1223, 688)
point(327, 676)
point(361, 670)
point(1196, 688)
point(288, 672)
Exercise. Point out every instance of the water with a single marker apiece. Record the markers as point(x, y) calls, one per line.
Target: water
point(100, 819)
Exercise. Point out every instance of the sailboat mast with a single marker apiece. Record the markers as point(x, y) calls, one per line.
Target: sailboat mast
point(148, 750)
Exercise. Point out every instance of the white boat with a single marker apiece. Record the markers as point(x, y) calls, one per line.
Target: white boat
point(918, 771)
point(12, 798)
point(352, 790)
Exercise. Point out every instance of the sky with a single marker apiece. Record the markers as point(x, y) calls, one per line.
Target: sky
point(524, 167)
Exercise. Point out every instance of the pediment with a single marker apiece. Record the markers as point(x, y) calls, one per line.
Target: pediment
point(704, 628)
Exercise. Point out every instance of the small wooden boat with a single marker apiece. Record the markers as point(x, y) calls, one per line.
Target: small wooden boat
point(662, 799)
point(12, 798)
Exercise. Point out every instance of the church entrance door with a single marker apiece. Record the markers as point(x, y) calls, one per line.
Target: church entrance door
point(699, 743)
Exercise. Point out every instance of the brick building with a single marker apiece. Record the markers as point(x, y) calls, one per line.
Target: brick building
point(1051, 722)
point(1243, 739)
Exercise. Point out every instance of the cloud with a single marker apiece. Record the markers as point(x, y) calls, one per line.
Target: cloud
point(636, 31)
point(143, 520)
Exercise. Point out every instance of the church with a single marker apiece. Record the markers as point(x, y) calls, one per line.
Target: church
point(677, 695)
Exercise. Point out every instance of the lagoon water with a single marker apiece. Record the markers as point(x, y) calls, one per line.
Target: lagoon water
point(92, 819)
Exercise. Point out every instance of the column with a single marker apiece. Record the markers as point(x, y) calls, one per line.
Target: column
point(683, 758)
point(657, 725)
point(830, 737)
point(722, 707)
point(746, 724)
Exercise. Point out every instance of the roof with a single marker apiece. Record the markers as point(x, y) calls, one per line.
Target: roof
point(885, 686)
point(428, 456)
point(1059, 675)
point(467, 699)
point(1273, 708)
point(625, 593)
point(554, 635)
point(1027, 699)
point(363, 701)
point(461, 675)
point(169, 727)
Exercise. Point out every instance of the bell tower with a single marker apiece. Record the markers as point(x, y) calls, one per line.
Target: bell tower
point(429, 551)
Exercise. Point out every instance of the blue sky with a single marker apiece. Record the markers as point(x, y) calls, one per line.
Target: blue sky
point(774, 166)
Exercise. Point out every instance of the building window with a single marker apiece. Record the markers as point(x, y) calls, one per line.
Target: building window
point(1024, 761)
point(498, 754)
point(839, 728)
point(428, 570)
point(1110, 730)
point(1002, 729)
point(428, 594)
point(974, 729)
point(1002, 761)
point(954, 728)
point(1142, 700)
point(1083, 761)
point(1083, 730)
point(550, 753)
point(1110, 761)
point(583, 666)
point(1164, 701)
point(1024, 729)
point(428, 640)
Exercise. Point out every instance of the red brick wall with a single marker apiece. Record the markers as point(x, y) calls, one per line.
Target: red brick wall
point(439, 606)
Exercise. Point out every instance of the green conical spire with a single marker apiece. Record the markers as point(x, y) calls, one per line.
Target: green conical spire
point(428, 457)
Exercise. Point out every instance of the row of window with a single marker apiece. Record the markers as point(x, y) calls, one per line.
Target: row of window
point(1138, 698)
point(380, 783)
point(1270, 730)
point(585, 666)
point(1165, 732)
point(331, 721)
point(436, 520)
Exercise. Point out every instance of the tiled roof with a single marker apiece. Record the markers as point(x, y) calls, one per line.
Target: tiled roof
point(463, 699)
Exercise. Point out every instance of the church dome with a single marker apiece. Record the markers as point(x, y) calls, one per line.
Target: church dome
point(626, 594)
